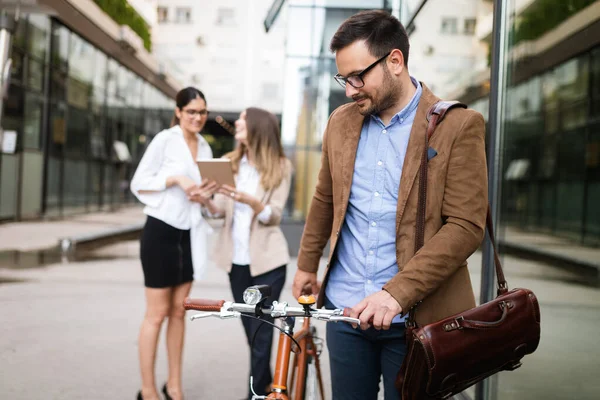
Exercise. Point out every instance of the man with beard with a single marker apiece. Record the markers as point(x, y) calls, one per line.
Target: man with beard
point(365, 203)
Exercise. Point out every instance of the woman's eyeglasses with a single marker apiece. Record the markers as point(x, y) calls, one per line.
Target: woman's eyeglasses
point(193, 113)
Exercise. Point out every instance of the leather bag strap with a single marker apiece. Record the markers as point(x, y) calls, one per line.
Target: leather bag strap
point(434, 116)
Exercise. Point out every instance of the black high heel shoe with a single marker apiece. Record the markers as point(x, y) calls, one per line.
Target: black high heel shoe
point(167, 397)
point(139, 396)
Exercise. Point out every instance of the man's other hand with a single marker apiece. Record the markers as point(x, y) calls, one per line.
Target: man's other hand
point(377, 309)
point(305, 283)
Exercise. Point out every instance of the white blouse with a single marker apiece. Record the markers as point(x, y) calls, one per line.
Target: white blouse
point(247, 180)
point(168, 155)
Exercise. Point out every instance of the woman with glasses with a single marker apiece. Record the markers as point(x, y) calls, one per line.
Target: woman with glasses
point(251, 246)
point(173, 241)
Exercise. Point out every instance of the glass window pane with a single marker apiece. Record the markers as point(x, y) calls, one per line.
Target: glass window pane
point(39, 30)
point(58, 132)
point(53, 186)
point(82, 59)
point(78, 93)
point(112, 75)
point(58, 84)
point(60, 45)
point(100, 63)
point(32, 123)
point(35, 75)
point(20, 35)
point(16, 70)
point(78, 131)
point(75, 187)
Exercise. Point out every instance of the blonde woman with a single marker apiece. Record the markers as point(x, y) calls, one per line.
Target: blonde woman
point(251, 246)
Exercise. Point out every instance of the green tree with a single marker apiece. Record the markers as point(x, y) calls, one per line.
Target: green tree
point(123, 14)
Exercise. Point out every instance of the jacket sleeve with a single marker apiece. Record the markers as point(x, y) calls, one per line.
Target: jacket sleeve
point(464, 210)
point(319, 221)
point(150, 179)
point(279, 197)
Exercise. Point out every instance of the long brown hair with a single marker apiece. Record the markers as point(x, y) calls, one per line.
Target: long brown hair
point(264, 147)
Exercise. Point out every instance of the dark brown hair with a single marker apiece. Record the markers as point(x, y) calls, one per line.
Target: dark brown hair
point(264, 146)
point(381, 31)
point(183, 98)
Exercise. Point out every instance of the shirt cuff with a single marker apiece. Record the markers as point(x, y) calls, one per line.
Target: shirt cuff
point(265, 215)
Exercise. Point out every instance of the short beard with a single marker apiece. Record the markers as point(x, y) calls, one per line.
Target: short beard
point(392, 91)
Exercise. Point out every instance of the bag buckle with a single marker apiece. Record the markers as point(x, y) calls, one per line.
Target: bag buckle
point(453, 325)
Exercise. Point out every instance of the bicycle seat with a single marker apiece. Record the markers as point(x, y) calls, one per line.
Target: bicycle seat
point(307, 300)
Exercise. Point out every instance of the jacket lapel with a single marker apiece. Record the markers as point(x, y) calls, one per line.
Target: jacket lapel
point(351, 135)
point(414, 151)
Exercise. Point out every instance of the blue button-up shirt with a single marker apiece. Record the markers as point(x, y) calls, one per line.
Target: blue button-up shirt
point(366, 250)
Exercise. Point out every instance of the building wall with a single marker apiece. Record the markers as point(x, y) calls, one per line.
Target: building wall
point(222, 48)
point(444, 45)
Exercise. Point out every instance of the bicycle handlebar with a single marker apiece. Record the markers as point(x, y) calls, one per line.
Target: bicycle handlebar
point(226, 309)
point(203, 304)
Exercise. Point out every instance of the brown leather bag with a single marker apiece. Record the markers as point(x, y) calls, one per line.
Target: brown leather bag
point(446, 357)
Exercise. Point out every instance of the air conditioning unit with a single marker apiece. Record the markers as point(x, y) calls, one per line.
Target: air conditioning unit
point(129, 40)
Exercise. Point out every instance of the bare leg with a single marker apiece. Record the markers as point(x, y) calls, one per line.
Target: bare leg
point(175, 333)
point(157, 308)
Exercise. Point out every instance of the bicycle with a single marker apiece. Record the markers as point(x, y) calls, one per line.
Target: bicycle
point(306, 370)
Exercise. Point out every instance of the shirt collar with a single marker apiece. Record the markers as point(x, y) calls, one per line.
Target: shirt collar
point(177, 129)
point(409, 108)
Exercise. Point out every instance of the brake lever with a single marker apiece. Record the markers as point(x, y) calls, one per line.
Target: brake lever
point(335, 318)
point(220, 315)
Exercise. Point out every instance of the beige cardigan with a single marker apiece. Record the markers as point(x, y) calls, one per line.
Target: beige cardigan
point(268, 247)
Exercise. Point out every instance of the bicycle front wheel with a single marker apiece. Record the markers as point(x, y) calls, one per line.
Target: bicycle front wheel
point(311, 380)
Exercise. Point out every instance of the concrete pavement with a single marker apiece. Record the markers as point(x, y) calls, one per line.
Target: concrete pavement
point(41, 235)
point(69, 330)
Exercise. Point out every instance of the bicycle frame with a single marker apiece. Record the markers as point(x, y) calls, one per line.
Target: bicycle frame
point(307, 347)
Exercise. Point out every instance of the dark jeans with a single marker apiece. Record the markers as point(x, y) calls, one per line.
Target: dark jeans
point(260, 355)
point(359, 358)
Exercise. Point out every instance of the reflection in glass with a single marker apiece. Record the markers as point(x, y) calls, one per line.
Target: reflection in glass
point(75, 186)
point(82, 60)
point(35, 75)
point(39, 28)
point(32, 121)
point(60, 45)
point(53, 189)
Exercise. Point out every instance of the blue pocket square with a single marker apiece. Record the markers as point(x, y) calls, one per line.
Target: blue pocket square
point(431, 153)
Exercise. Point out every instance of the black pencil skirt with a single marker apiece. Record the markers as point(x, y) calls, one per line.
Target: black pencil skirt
point(166, 255)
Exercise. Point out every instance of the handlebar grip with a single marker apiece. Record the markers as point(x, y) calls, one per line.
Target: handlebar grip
point(203, 304)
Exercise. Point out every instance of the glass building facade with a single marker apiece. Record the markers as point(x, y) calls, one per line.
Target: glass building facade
point(546, 174)
point(82, 120)
point(311, 93)
point(551, 142)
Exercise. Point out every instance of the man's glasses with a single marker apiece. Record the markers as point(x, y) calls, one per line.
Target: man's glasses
point(356, 80)
point(193, 113)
